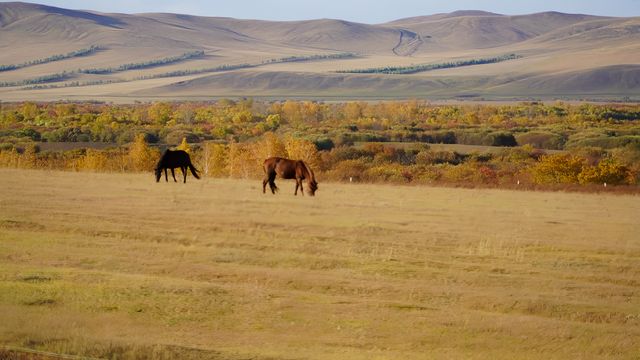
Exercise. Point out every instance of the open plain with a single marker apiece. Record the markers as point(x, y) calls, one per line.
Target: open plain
point(556, 56)
point(118, 266)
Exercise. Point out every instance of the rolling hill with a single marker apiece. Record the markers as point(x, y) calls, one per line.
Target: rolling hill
point(159, 55)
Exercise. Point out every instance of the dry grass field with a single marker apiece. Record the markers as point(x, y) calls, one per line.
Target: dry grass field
point(118, 266)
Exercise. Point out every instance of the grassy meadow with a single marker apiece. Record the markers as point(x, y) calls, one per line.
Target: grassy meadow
point(118, 266)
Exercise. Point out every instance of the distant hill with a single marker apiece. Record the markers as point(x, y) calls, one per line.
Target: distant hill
point(559, 55)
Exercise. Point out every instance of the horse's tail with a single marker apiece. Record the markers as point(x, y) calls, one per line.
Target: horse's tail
point(270, 172)
point(193, 169)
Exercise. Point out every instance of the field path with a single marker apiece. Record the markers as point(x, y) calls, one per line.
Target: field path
point(108, 265)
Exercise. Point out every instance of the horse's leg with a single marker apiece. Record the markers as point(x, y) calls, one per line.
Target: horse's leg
point(166, 177)
point(301, 189)
point(297, 185)
point(272, 182)
point(174, 175)
point(264, 185)
point(184, 173)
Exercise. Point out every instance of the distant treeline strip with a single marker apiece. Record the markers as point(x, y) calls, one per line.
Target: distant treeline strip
point(185, 72)
point(67, 74)
point(145, 64)
point(345, 55)
point(428, 67)
point(81, 52)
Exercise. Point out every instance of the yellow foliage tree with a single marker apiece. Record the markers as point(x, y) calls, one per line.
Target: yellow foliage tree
point(242, 162)
point(270, 145)
point(300, 149)
point(214, 159)
point(160, 112)
point(141, 156)
point(184, 146)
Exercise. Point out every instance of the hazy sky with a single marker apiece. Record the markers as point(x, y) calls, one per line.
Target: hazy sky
point(368, 11)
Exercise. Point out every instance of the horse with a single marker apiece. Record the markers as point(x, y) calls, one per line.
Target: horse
point(288, 169)
point(175, 159)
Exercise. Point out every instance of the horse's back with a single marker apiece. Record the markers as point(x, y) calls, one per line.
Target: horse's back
point(175, 158)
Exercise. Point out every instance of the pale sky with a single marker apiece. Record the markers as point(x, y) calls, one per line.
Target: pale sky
point(366, 11)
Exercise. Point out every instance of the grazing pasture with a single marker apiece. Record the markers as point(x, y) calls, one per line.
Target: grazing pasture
point(119, 266)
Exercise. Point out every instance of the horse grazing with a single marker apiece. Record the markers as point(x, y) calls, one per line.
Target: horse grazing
point(175, 159)
point(288, 169)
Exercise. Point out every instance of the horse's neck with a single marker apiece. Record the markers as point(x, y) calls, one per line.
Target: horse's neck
point(308, 175)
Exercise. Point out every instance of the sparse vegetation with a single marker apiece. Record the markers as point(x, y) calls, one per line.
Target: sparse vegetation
point(39, 80)
point(315, 57)
point(145, 64)
point(428, 67)
point(185, 72)
point(81, 52)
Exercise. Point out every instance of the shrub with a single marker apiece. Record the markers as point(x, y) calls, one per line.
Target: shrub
point(349, 169)
point(428, 157)
point(93, 160)
point(503, 139)
point(607, 171)
point(558, 169)
point(542, 140)
point(389, 173)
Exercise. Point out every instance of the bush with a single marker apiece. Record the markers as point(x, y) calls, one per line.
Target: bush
point(439, 137)
point(388, 173)
point(175, 137)
point(503, 139)
point(558, 169)
point(542, 140)
point(428, 157)
point(349, 169)
point(607, 171)
point(324, 144)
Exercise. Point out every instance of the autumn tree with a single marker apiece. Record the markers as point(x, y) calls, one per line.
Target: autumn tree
point(160, 112)
point(184, 145)
point(214, 159)
point(141, 156)
point(300, 149)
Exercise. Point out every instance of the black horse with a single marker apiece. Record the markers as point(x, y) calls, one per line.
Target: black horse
point(175, 159)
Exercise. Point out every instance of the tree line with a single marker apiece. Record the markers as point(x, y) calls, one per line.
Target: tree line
point(36, 83)
point(368, 141)
point(412, 69)
point(72, 54)
point(144, 64)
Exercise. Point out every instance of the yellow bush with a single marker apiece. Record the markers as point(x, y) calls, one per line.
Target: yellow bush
point(558, 169)
point(94, 160)
point(607, 171)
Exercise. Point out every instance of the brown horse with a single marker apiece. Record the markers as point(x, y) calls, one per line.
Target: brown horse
point(288, 169)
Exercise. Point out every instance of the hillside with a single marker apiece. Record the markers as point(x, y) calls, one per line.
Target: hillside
point(147, 55)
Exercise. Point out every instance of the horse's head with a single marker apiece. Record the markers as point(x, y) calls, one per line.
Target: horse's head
point(312, 186)
point(158, 174)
